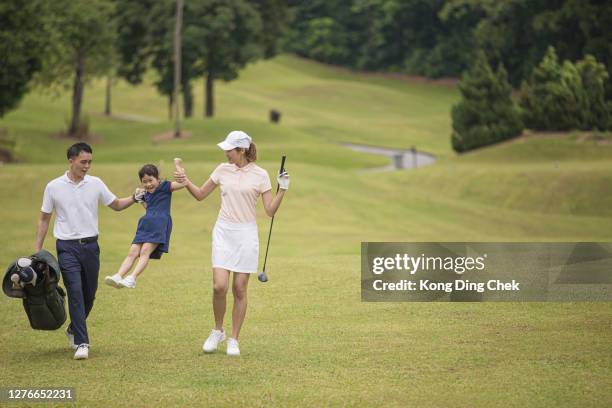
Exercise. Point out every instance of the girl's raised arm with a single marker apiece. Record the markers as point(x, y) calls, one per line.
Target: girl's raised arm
point(176, 186)
point(181, 180)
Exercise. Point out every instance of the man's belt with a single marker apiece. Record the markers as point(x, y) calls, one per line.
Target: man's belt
point(82, 241)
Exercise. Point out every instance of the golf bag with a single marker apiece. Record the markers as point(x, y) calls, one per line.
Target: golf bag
point(35, 279)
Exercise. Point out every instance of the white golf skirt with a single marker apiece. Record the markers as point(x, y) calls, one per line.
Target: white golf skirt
point(235, 246)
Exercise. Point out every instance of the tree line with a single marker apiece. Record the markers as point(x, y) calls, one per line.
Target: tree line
point(66, 43)
point(440, 38)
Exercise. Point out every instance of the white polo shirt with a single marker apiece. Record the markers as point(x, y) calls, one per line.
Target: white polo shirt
point(75, 205)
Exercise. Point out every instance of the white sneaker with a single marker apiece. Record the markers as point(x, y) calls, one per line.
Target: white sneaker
point(113, 281)
point(70, 337)
point(213, 340)
point(128, 282)
point(82, 352)
point(232, 347)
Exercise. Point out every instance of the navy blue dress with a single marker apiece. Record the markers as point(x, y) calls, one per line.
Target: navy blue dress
point(156, 225)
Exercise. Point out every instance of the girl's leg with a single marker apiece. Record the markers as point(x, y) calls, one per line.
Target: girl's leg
point(145, 252)
point(239, 289)
point(220, 285)
point(129, 259)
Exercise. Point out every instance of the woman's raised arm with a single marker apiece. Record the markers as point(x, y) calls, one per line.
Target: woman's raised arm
point(200, 193)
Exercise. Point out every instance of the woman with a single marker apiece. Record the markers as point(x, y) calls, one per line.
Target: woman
point(235, 241)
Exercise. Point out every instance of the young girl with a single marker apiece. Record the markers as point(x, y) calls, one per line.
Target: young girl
point(154, 228)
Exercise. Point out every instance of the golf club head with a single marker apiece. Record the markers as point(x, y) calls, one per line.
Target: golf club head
point(262, 277)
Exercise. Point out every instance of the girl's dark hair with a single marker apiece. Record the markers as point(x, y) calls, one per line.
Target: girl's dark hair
point(148, 170)
point(251, 153)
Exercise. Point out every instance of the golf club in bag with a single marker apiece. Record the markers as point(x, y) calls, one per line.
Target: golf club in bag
point(262, 276)
point(35, 280)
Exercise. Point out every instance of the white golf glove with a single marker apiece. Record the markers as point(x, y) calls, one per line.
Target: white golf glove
point(283, 181)
point(139, 195)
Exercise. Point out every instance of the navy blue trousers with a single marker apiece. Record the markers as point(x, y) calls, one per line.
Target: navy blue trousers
point(80, 265)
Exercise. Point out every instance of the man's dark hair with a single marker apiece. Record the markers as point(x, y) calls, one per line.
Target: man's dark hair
point(77, 148)
point(148, 170)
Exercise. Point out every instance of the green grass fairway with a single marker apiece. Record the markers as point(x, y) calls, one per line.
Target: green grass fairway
point(308, 340)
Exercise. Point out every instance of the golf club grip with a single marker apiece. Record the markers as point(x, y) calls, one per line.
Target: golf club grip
point(282, 168)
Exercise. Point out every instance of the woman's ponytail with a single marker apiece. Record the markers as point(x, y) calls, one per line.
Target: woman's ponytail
point(251, 153)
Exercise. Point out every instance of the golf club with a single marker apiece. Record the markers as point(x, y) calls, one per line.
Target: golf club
point(262, 276)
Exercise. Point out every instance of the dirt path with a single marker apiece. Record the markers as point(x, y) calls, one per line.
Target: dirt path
point(399, 159)
point(135, 118)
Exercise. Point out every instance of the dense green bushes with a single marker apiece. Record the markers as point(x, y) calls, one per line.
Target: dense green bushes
point(565, 96)
point(486, 114)
point(556, 97)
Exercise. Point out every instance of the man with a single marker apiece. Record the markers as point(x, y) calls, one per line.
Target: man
point(75, 197)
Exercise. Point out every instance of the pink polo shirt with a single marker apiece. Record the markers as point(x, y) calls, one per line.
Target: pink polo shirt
point(240, 188)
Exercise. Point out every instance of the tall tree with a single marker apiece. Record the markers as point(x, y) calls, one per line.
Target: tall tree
point(27, 31)
point(177, 63)
point(565, 96)
point(275, 18)
point(219, 37)
point(135, 21)
point(227, 34)
point(548, 97)
point(595, 112)
point(486, 113)
point(159, 49)
point(319, 31)
point(86, 44)
point(107, 99)
point(109, 68)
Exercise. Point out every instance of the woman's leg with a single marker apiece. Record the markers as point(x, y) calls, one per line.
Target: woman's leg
point(145, 252)
point(220, 285)
point(239, 289)
point(129, 259)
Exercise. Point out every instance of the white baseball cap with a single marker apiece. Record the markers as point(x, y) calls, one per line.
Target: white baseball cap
point(234, 139)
